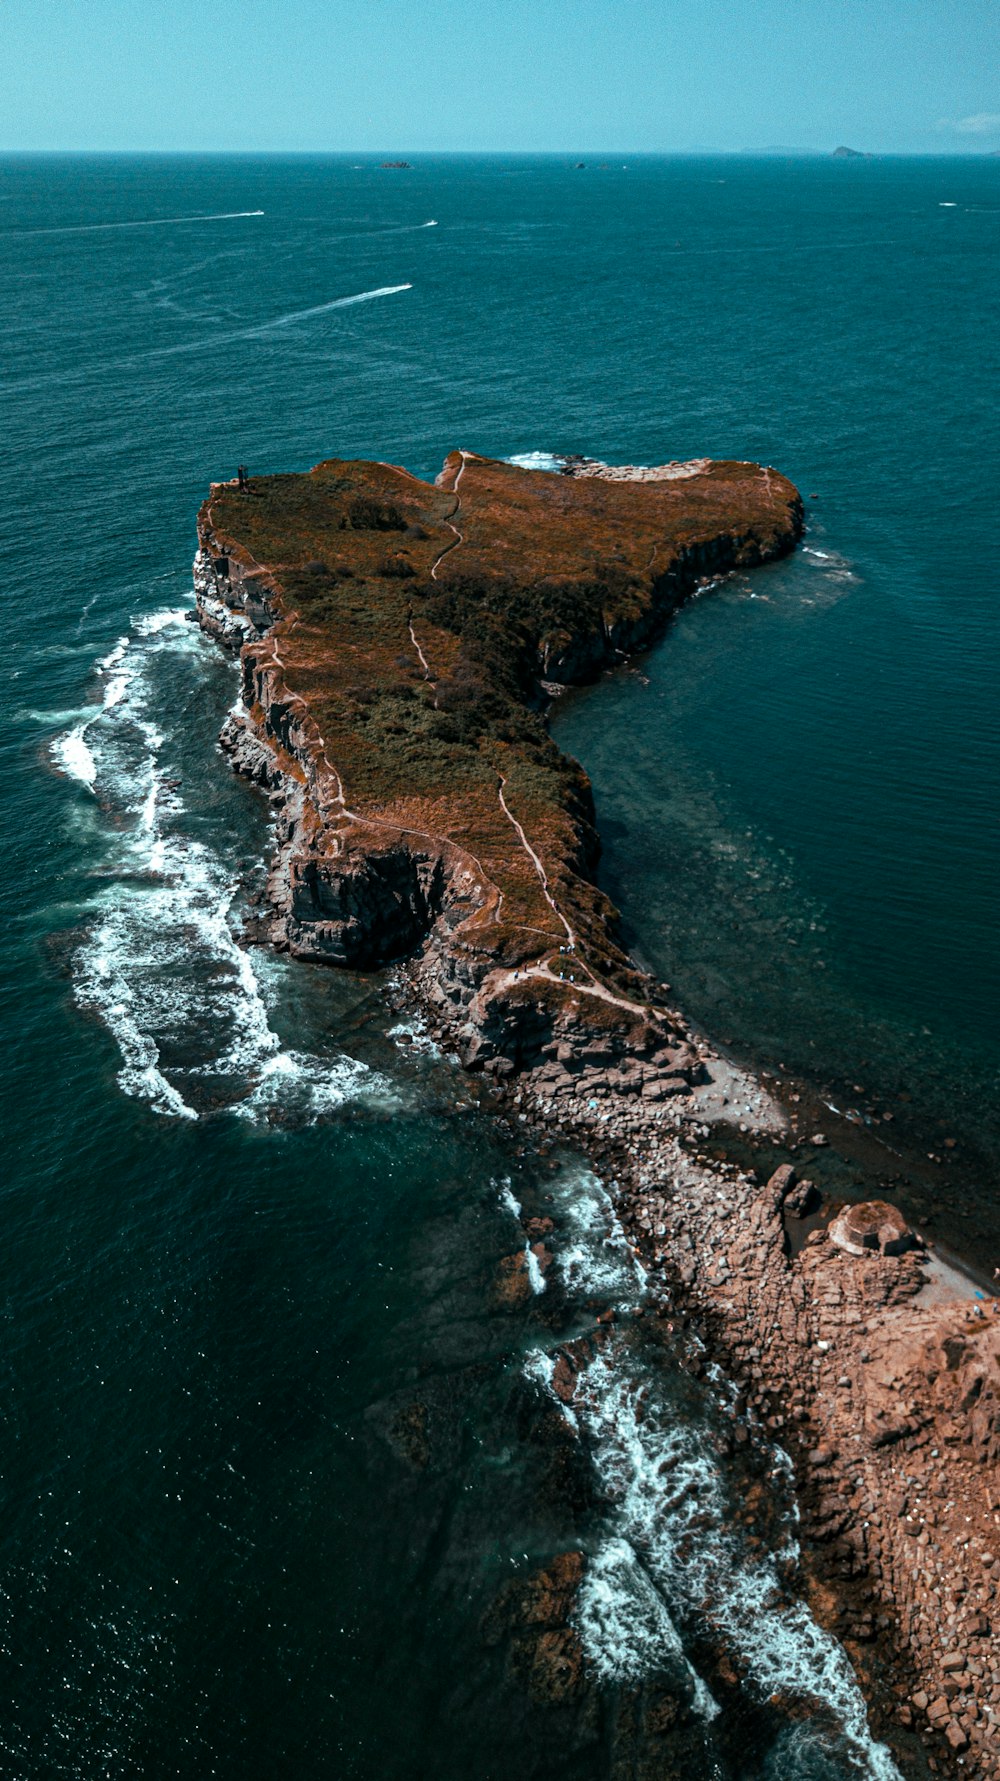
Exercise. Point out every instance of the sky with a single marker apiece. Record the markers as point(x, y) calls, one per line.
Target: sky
point(890, 76)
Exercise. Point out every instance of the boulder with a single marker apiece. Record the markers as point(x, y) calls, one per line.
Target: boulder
point(663, 1088)
point(873, 1227)
point(781, 1184)
point(803, 1199)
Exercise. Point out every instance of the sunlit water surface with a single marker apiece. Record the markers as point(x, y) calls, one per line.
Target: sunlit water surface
point(275, 1440)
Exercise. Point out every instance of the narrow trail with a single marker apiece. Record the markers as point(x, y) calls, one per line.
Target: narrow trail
point(591, 988)
point(338, 804)
point(459, 536)
point(501, 980)
point(536, 862)
point(420, 654)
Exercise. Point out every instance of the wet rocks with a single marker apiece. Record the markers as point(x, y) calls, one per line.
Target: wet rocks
point(533, 1614)
point(664, 1088)
point(781, 1184)
point(804, 1198)
point(887, 1403)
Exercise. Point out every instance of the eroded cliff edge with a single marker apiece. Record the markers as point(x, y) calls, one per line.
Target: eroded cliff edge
point(399, 641)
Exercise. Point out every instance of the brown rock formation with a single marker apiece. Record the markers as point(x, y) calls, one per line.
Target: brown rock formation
point(875, 1225)
point(879, 1372)
point(396, 640)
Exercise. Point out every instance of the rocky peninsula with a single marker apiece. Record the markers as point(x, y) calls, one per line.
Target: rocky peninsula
point(399, 643)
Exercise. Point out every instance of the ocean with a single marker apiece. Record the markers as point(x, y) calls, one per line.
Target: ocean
point(280, 1447)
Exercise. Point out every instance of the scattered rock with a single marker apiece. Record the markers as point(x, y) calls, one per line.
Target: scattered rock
point(804, 1198)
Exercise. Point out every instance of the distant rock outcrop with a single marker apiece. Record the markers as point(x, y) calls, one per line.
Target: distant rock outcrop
point(850, 154)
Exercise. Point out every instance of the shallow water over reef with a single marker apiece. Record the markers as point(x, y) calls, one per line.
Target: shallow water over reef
point(280, 1427)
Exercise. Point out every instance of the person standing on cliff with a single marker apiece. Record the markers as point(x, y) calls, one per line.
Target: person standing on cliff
point(243, 479)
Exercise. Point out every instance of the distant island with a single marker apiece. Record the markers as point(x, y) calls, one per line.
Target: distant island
point(851, 154)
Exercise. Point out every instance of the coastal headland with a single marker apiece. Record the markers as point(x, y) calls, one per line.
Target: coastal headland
point(399, 642)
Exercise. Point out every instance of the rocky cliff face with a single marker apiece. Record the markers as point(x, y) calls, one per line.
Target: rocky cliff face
point(395, 639)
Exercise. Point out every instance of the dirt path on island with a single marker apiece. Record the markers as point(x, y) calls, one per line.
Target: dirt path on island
point(536, 862)
point(336, 805)
point(459, 536)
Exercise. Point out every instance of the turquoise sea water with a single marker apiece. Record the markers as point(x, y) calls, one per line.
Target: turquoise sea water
point(273, 1442)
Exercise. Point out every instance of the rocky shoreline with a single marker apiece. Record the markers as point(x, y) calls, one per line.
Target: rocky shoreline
point(877, 1371)
point(393, 693)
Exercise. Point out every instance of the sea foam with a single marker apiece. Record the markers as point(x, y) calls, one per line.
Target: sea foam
point(536, 460)
point(71, 753)
point(161, 964)
point(672, 1556)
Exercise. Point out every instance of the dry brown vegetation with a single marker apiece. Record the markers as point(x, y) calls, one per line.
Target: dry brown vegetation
point(418, 621)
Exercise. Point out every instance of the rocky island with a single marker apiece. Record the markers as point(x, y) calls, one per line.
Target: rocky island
point(400, 641)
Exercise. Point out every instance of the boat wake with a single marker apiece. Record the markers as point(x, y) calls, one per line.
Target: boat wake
point(153, 222)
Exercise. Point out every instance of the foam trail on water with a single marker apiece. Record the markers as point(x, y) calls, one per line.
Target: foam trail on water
point(673, 1554)
point(161, 965)
point(301, 315)
point(153, 222)
point(261, 329)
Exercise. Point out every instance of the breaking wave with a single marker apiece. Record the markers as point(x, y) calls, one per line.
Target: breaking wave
point(71, 753)
point(626, 1626)
point(673, 1559)
point(536, 460)
point(161, 965)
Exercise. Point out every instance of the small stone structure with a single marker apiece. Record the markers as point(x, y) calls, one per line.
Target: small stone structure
point(874, 1226)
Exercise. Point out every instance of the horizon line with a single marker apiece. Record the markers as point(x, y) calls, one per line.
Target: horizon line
point(775, 153)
